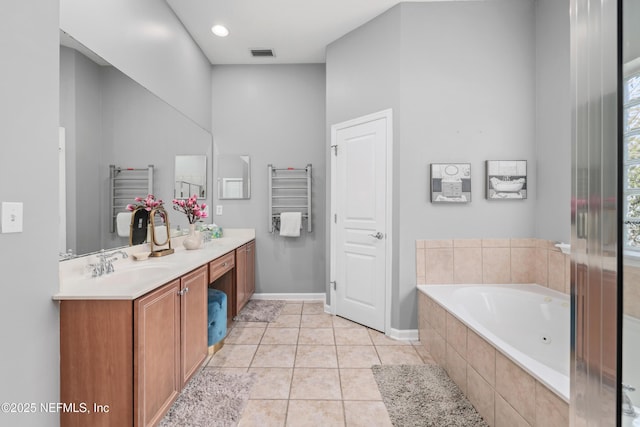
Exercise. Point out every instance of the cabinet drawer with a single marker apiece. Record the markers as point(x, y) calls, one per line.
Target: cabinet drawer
point(221, 265)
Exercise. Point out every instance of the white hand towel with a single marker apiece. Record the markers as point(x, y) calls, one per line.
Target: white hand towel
point(290, 223)
point(123, 224)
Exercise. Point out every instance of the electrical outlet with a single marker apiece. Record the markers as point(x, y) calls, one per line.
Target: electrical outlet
point(218, 209)
point(11, 217)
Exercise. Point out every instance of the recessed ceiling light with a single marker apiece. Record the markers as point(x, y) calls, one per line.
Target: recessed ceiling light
point(220, 30)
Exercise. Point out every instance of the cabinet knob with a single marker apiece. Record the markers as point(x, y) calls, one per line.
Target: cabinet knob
point(225, 264)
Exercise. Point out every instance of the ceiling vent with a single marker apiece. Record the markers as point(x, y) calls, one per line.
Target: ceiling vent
point(262, 53)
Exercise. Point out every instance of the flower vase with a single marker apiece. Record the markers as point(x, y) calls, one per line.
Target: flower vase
point(193, 240)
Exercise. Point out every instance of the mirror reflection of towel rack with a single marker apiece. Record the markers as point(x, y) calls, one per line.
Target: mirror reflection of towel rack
point(289, 191)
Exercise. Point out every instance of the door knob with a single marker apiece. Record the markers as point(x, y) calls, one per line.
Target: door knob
point(378, 235)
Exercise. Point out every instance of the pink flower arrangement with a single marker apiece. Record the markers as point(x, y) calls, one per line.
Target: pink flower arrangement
point(191, 208)
point(147, 203)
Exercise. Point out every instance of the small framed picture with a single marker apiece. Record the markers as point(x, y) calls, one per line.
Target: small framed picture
point(450, 182)
point(506, 179)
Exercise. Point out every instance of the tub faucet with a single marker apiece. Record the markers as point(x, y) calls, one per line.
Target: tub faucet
point(627, 405)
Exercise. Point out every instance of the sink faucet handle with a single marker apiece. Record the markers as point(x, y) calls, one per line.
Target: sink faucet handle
point(627, 387)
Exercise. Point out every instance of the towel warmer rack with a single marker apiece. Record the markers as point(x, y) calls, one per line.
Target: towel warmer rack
point(125, 184)
point(289, 191)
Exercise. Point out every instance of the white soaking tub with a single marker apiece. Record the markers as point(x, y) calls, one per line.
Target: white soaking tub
point(529, 324)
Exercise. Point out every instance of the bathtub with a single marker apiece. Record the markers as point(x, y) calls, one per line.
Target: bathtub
point(529, 324)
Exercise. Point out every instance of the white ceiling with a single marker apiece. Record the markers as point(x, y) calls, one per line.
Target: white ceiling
point(297, 30)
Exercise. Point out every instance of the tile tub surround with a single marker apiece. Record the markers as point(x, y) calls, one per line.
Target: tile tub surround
point(502, 392)
point(496, 261)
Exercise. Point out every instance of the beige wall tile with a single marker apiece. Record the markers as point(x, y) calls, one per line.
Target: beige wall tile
point(433, 244)
point(481, 396)
point(438, 349)
point(439, 265)
point(457, 335)
point(542, 266)
point(523, 243)
point(516, 387)
point(457, 368)
point(482, 357)
point(420, 266)
point(496, 265)
point(419, 244)
point(439, 319)
point(467, 243)
point(467, 265)
point(496, 243)
point(551, 411)
point(556, 271)
point(523, 264)
point(506, 416)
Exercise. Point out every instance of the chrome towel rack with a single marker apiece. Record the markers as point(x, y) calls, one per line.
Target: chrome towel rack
point(125, 184)
point(289, 191)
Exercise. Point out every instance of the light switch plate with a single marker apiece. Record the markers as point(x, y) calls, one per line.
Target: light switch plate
point(11, 217)
point(218, 209)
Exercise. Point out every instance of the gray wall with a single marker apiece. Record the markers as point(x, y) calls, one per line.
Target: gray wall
point(553, 121)
point(276, 114)
point(147, 42)
point(29, 371)
point(466, 94)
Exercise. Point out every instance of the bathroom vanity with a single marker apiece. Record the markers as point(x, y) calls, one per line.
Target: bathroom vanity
point(131, 340)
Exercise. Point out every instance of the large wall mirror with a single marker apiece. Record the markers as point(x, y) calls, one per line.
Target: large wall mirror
point(110, 119)
point(234, 176)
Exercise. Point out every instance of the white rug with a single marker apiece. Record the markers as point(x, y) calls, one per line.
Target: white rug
point(260, 311)
point(424, 395)
point(210, 399)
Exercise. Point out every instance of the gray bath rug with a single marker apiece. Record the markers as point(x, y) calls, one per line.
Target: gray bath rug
point(423, 395)
point(260, 311)
point(210, 399)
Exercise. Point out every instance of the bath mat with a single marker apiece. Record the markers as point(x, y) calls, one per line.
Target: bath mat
point(210, 399)
point(260, 311)
point(423, 395)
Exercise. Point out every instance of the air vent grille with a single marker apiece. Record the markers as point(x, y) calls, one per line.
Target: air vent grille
point(262, 53)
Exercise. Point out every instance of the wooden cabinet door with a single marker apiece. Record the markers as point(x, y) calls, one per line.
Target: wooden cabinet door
point(241, 277)
point(251, 268)
point(193, 304)
point(156, 353)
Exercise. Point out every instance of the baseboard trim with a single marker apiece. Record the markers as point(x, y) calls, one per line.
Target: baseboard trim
point(291, 297)
point(404, 334)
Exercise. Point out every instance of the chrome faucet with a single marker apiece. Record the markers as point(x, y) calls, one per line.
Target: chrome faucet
point(105, 266)
point(627, 405)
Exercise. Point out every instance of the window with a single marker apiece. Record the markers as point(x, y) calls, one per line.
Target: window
point(631, 143)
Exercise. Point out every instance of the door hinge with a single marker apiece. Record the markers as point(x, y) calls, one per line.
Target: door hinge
point(335, 149)
point(335, 218)
point(334, 284)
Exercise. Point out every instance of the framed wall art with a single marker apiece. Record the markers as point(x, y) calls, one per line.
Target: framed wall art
point(506, 179)
point(450, 182)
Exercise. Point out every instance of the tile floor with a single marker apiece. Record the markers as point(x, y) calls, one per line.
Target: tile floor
point(313, 369)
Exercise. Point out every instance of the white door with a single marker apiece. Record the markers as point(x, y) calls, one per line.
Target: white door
point(361, 189)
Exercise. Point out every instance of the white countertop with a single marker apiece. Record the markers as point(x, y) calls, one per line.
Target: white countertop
point(133, 279)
